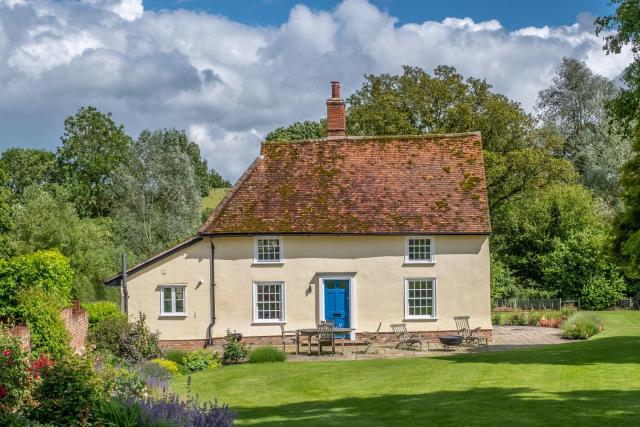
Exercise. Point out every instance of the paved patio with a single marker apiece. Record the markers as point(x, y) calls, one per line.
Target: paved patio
point(504, 338)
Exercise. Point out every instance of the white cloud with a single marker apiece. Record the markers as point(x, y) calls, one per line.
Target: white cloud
point(228, 83)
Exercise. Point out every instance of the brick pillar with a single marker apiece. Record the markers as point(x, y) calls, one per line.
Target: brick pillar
point(336, 121)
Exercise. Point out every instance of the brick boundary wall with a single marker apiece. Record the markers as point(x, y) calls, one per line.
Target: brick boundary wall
point(76, 320)
point(386, 337)
point(24, 334)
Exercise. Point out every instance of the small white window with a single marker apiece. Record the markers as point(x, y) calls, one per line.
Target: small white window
point(268, 250)
point(419, 249)
point(420, 298)
point(268, 302)
point(173, 301)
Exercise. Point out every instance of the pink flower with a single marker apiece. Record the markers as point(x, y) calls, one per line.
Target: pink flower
point(7, 353)
point(3, 392)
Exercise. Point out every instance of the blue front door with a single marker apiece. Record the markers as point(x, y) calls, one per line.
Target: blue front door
point(336, 303)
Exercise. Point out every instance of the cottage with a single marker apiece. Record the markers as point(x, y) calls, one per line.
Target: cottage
point(357, 230)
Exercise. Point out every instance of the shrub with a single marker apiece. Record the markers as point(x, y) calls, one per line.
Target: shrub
point(100, 310)
point(199, 360)
point(496, 318)
point(106, 334)
point(168, 410)
point(69, 394)
point(133, 341)
point(518, 319)
point(601, 293)
point(533, 318)
point(47, 271)
point(169, 365)
point(234, 351)
point(267, 353)
point(175, 355)
point(582, 325)
point(155, 375)
point(567, 311)
point(140, 343)
point(48, 333)
point(122, 383)
point(13, 373)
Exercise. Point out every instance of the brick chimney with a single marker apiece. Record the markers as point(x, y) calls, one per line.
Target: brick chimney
point(336, 123)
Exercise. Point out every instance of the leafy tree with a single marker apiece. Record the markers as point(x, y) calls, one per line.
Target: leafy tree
point(554, 241)
point(46, 220)
point(575, 105)
point(26, 166)
point(299, 130)
point(6, 220)
point(93, 147)
point(205, 178)
point(621, 29)
point(158, 196)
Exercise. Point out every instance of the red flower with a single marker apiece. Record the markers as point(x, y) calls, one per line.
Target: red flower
point(7, 353)
point(3, 392)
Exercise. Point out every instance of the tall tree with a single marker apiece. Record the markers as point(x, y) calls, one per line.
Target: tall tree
point(205, 178)
point(622, 29)
point(575, 105)
point(158, 194)
point(93, 147)
point(27, 166)
point(6, 220)
point(45, 219)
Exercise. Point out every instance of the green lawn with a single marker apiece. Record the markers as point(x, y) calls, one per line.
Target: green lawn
point(213, 198)
point(594, 382)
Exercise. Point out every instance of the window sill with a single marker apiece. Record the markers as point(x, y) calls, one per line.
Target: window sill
point(418, 263)
point(420, 319)
point(173, 315)
point(265, 263)
point(267, 323)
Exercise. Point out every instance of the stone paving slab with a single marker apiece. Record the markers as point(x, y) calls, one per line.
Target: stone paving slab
point(504, 338)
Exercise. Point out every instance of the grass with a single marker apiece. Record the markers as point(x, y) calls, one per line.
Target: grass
point(213, 198)
point(593, 382)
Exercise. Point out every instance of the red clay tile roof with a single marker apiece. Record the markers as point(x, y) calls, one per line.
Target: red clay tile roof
point(431, 184)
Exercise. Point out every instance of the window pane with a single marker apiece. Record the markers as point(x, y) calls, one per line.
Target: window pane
point(179, 306)
point(167, 306)
point(420, 299)
point(269, 301)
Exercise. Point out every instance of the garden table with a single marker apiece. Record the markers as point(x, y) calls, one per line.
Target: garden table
point(311, 332)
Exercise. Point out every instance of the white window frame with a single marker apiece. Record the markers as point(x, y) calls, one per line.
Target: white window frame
point(255, 250)
point(408, 316)
point(283, 294)
point(352, 298)
point(173, 313)
point(432, 253)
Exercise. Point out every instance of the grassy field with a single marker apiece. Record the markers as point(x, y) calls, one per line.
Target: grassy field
point(594, 382)
point(214, 197)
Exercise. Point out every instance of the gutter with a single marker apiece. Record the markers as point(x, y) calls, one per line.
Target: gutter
point(213, 297)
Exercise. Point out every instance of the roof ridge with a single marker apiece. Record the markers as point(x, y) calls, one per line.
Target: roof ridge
point(379, 137)
point(225, 200)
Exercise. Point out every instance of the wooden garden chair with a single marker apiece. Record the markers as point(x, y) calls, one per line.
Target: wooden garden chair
point(471, 336)
point(288, 337)
point(326, 336)
point(405, 339)
point(369, 339)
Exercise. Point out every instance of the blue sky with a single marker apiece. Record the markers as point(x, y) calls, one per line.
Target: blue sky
point(512, 14)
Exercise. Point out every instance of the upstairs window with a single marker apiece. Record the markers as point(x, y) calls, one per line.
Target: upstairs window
point(268, 250)
point(173, 301)
point(419, 249)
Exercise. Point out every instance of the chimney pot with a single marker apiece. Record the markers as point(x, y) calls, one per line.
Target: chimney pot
point(336, 121)
point(335, 90)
